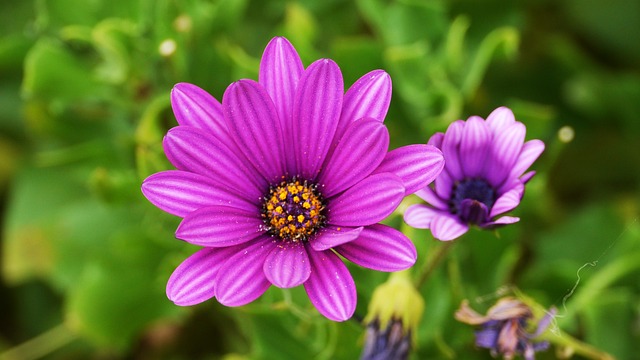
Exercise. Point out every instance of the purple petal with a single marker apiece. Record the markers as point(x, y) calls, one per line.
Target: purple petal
point(429, 195)
point(473, 211)
point(380, 247)
point(194, 280)
point(219, 226)
point(526, 177)
point(191, 149)
point(444, 184)
point(253, 121)
point(474, 146)
point(180, 192)
point(316, 111)
point(332, 236)
point(510, 184)
point(487, 338)
point(507, 145)
point(500, 119)
point(447, 227)
point(420, 216)
point(330, 287)
point(360, 151)
point(436, 140)
point(451, 147)
point(287, 265)
point(529, 154)
point(505, 220)
point(529, 351)
point(545, 322)
point(506, 202)
point(195, 107)
point(280, 71)
point(367, 202)
point(417, 165)
point(368, 97)
point(241, 279)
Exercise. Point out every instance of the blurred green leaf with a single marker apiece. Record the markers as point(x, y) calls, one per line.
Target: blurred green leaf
point(52, 72)
point(99, 255)
point(55, 14)
point(602, 24)
point(296, 338)
point(31, 223)
point(115, 297)
point(612, 309)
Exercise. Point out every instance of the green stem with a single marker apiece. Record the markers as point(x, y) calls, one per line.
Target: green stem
point(557, 337)
point(293, 308)
point(505, 36)
point(41, 345)
point(328, 351)
point(433, 263)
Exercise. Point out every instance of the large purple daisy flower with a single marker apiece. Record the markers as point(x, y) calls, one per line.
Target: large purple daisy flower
point(283, 176)
point(482, 179)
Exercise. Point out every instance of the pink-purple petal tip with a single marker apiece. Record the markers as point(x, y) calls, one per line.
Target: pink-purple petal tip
point(382, 248)
point(417, 165)
point(241, 279)
point(287, 265)
point(330, 287)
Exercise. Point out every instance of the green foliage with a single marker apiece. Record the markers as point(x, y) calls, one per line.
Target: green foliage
point(85, 104)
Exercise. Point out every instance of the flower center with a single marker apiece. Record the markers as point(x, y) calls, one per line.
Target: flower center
point(467, 196)
point(293, 210)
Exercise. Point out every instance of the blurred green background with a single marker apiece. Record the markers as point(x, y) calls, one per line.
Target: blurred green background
point(84, 103)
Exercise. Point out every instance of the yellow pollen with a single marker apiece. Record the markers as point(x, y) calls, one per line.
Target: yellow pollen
point(292, 211)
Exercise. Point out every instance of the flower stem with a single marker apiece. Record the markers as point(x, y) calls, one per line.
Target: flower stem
point(433, 262)
point(292, 306)
point(41, 345)
point(573, 345)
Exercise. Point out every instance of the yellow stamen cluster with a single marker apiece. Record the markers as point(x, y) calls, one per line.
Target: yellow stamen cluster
point(293, 210)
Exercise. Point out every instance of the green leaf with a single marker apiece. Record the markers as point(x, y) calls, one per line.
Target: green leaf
point(281, 335)
point(612, 309)
point(31, 222)
point(119, 294)
point(603, 23)
point(53, 72)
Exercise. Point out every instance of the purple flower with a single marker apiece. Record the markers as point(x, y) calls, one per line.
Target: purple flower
point(504, 328)
point(283, 176)
point(391, 342)
point(482, 178)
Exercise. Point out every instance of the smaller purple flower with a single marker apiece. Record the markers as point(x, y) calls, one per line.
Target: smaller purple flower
point(504, 328)
point(483, 176)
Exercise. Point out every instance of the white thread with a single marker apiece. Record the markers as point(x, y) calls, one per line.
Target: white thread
point(593, 263)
